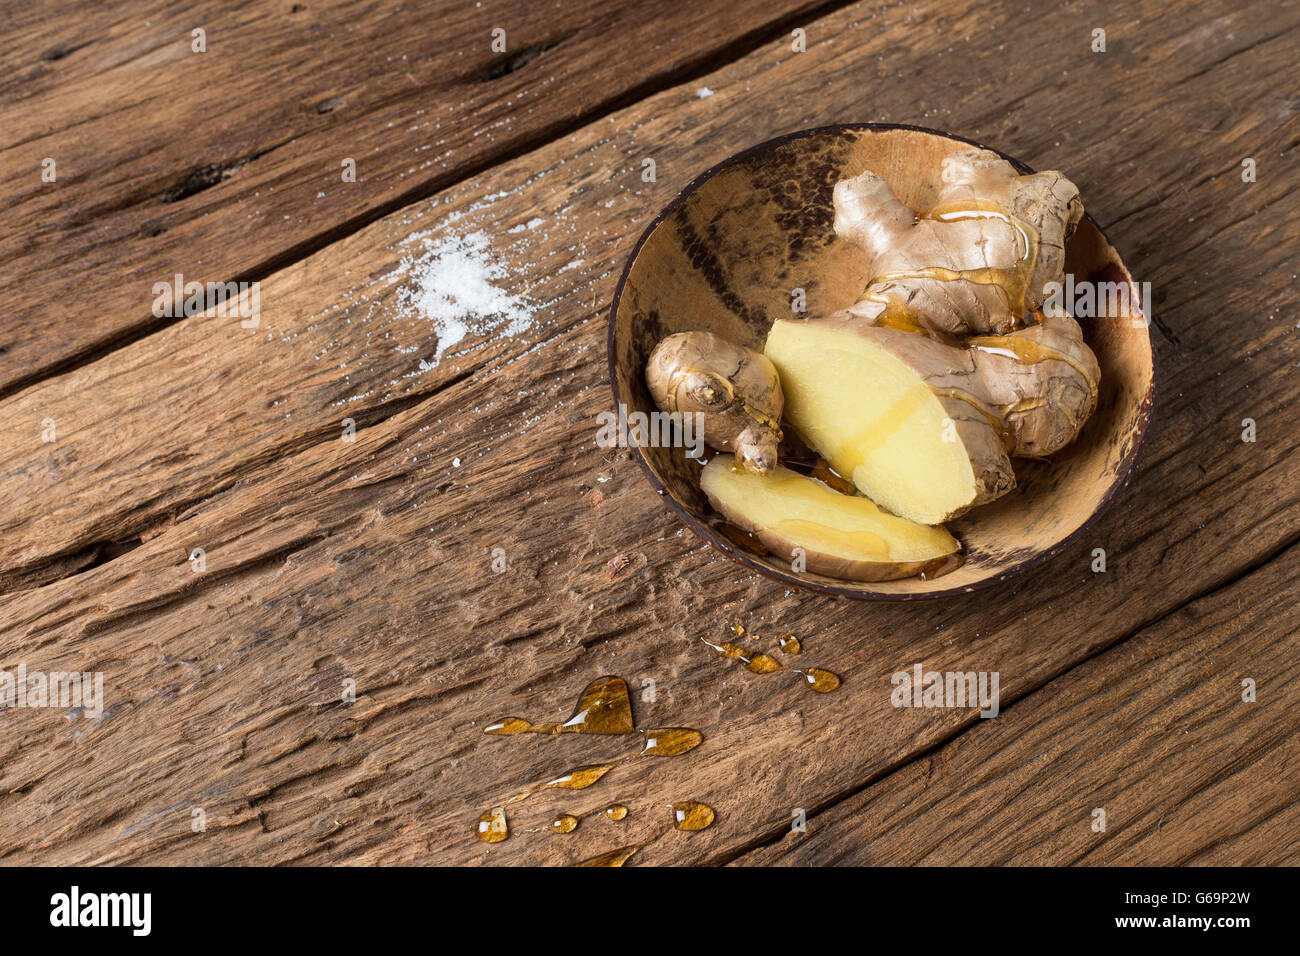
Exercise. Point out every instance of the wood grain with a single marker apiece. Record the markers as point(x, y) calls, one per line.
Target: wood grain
point(371, 561)
point(1154, 732)
point(223, 165)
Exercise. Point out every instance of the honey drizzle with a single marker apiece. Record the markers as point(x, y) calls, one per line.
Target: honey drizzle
point(759, 662)
point(603, 708)
point(996, 421)
point(738, 536)
point(1029, 352)
point(887, 424)
point(822, 681)
point(941, 566)
point(823, 471)
point(1014, 281)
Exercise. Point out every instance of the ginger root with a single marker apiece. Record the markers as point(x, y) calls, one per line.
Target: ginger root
point(735, 390)
point(924, 390)
point(976, 261)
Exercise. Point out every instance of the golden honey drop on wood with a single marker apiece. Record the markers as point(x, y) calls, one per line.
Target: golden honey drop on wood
point(614, 857)
point(511, 725)
point(578, 779)
point(493, 827)
point(692, 815)
point(603, 708)
point(759, 662)
point(564, 823)
point(821, 681)
point(670, 741)
point(789, 643)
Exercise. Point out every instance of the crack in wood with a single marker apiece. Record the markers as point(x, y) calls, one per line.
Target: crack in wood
point(206, 176)
point(693, 69)
point(511, 62)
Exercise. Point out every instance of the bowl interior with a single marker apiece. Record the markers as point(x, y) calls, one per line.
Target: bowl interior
point(727, 256)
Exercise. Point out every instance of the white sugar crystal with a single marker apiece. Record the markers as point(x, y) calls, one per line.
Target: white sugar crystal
point(454, 283)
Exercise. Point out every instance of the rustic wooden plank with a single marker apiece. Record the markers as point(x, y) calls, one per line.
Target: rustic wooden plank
point(1154, 732)
point(315, 575)
point(322, 353)
point(223, 165)
point(371, 560)
point(382, 574)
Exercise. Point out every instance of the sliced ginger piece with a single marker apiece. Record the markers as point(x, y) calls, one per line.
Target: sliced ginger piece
point(923, 455)
point(842, 536)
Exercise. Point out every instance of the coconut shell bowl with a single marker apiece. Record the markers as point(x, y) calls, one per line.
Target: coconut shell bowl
point(726, 256)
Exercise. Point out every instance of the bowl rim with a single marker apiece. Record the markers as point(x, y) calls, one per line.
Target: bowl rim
point(1122, 475)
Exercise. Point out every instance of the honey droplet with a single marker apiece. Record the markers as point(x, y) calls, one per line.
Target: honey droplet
point(941, 566)
point(789, 643)
point(493, 827)
point(616, 811)
point(614, 857)
point(670, 741)
point(579, 779)
point(692, 815)
point(738, 630)
point(828, 476)
point(564, 823)
point(738, 536)
point(759, 662)
point(603, 708)
point(511, 725)
point(821, 681)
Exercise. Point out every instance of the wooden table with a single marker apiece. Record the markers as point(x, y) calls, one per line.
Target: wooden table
point(333, 559)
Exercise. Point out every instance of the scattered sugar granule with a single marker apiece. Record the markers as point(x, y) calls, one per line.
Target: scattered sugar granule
point(704, 92)
point(452, 283)
point(455, 463)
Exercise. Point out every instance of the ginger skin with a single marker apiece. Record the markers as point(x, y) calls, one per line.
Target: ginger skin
point(977, 260)
point(736, 391)
point(971, 272)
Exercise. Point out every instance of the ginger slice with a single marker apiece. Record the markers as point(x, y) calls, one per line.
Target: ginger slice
point(843, 536)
